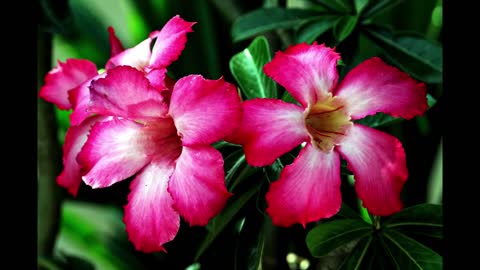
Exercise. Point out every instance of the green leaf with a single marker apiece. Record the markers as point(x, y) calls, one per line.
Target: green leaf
point(407, 253)
point(337, 6)
point(266, 19)
point(311, 30)
point(376, 7)
point(247, 68)
point(218, 223)
point(328, 236)
point(344, 27)
point(425, 219)
point(97, 234)
point(360, 5)
point(415, 55)
point(287, 97)
point(347, 212)
point(222, 144)
point(382, 120)
point(358, 257)
point(251, 242)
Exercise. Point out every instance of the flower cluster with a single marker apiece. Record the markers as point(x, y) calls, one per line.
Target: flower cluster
point(134, 121)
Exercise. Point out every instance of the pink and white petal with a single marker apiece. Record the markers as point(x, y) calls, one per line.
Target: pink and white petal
point(308, 189)
point(136, 57)
point(157, 78)
point(198, 184)
point(269, 129)
point(308, 72)
point(65, 77)
point(116, 46)
point(373, 86)
point(123, 92)
point(71, 175)
point(114, 151)
point(149, 217)
point(170, 42)
point(204, 111)
point(378, 162)
point(80, 99)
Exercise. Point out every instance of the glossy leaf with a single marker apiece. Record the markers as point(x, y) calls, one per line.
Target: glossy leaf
point(247, 68)
point(251, 242)
point(328, 236)
point(262, 20)
point(416, 55)
point(338, 6)
point(311, 30)
point(358, 257)
point(406, 253)
point(347, 212)
point(344, 27)
point(360, 5)
point(376, 7)
point(218, 223)
point(425, 219)
point(287, 97)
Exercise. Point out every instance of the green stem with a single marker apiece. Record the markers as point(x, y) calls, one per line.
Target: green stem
point(48, 157)
point(376, 222)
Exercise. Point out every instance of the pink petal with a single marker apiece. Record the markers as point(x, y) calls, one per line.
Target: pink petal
point(308, 72)
point(126, 92)
point(204, 111)
point(308, 189)
point(136, 57)
point(170, 42)
point(198, 184)
point(65, 77)
point(157, 78)
point(378, 163)
point(374, 86)
point(116, 46)
point(71, 176)
point(150, 218)
point(80, 99)
point(269, 129)
point(115, 150)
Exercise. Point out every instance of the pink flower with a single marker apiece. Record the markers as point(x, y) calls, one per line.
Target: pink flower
point(309, 188)
point(165, 147)
point(67, 85)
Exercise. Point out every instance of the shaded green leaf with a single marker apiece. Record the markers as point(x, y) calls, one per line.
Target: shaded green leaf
point(425, 219)
point(415, 55)
point(251, 242)
point(407, 253)
point(328, 236)
point(347, 212)
point(247, 68)
point(287, 97)
point(344, 27)
point(95, 233)
point(265, 19)
point(311, 30)
point(221, 144)
point(338, 6)
point(360, 5)
point(358, 257)
point(218, 223)
point(376, 7)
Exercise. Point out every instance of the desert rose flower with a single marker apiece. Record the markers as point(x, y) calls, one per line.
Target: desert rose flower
point(309, 188)
point(166, 147)
point(67, 85)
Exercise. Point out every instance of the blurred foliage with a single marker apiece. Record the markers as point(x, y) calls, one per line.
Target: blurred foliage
point(233, 39)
